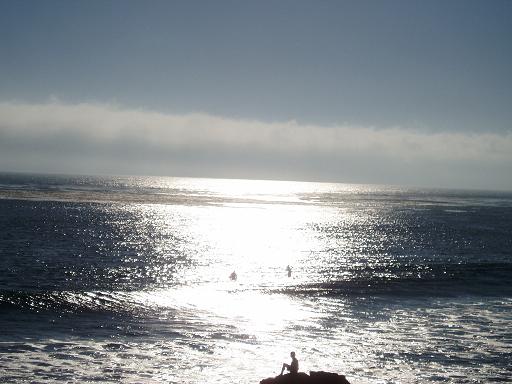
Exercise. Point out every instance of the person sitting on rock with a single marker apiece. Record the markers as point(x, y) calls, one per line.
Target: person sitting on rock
point(293, 367)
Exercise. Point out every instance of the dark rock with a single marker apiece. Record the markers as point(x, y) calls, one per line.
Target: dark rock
point(299, 378)
point(319, 377)
point(327, 378)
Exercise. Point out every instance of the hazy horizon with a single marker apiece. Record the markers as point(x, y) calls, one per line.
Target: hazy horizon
point(185, 177)
point(402, 93)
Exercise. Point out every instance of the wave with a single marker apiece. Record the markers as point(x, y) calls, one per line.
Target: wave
point(478, 279)
point(481, 279)
point(73, 302)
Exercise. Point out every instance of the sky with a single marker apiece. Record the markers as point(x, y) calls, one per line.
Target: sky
point(388, 92)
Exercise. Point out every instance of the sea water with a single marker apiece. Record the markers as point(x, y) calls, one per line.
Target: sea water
point(126, 279)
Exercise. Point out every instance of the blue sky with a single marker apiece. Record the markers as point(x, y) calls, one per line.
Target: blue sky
point(427, 68)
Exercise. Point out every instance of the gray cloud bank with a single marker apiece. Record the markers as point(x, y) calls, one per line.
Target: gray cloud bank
point(102, 138)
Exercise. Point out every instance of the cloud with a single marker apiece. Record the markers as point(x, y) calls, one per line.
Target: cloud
point(86, 137)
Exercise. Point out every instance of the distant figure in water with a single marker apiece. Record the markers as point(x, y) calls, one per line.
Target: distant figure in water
point(293, 367)
point(233, 276)
point(289, 270)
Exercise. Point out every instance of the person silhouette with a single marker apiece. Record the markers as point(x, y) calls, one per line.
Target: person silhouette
point(293, 367)
point(289, 270)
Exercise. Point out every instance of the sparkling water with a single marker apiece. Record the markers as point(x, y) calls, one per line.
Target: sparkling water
point(119, 279)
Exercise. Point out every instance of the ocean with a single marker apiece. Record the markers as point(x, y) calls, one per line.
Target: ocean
point(127, 280)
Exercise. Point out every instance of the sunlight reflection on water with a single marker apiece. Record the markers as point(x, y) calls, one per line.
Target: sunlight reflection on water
point(141, 291)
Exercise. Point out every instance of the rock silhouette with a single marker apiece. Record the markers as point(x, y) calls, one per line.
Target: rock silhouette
point(319, 377)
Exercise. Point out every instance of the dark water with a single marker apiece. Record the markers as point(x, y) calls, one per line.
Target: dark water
point(109, 279)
